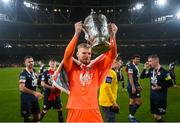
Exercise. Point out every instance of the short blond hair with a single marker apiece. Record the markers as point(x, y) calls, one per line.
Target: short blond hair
point(84, 45)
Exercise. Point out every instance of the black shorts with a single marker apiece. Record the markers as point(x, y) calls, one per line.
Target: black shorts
point(172, 74)
point(158, 106)
point(137, 94)
point(55, 104)
point(121, 79)
point(29, 105)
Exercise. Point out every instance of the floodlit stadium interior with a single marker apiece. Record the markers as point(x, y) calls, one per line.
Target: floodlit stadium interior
point(43, 28)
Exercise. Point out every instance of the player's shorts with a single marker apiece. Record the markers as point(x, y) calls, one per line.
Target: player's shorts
point(81, 115)
point(172, 74)
point(137, 94)
point(158, 106)
point(29, 105)
point(55, 104)
point(122, 79)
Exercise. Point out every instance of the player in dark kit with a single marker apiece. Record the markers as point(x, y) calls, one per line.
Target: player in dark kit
point(172, 72)
point(120, 76)
point(134, 88)
point(51, 94)
point(29, 96)
point(41, 71)
point(160, 81)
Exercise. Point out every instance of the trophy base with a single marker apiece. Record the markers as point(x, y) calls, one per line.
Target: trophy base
point(100, 46)
point(100, 49)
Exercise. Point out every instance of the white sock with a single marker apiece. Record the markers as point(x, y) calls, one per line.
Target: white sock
point(131, 116)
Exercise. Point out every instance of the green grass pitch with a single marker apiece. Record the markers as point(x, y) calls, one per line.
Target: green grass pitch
point(10, 100)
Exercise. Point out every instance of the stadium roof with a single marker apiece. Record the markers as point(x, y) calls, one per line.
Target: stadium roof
point(84, 2)
point(70, 11)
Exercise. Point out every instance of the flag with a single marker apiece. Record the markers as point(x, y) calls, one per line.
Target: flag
point(60, 79)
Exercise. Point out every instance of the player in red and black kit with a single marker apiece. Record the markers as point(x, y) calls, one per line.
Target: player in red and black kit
point(51, 94)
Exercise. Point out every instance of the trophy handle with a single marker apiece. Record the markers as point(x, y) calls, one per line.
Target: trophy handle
point(90, 41)
point(108, 43)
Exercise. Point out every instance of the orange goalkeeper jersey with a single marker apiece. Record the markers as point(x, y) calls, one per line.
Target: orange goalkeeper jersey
point(84, 95)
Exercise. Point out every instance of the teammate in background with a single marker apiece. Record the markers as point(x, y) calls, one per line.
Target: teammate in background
point(160, 81)
point(85, 80)
point(120, 76)
point(41, 71)
point(108, 93)
point(172, 73)
point(51, 94)
point(134, 88)
point(29, 96)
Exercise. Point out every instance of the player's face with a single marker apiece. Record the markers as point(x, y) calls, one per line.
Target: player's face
point(136, 60)
point(120, 63)
point(152, 62)
point(117, 64)
point(29, 62)
point(84, 55)
point(52, 64)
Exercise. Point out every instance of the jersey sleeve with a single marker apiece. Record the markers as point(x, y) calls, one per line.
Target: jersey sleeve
point(105, 65)
point(145, 73)
point(167, 82)
point(22, 78)
point(130, 69)
point(68, 55)
point(43, 77)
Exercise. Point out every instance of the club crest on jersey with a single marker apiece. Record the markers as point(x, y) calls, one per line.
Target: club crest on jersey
point(85, 79)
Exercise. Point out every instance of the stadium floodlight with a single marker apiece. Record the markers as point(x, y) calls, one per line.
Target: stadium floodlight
point(67, 10)
point(28, 5)
point(8, 46)
point(178, 15)
point(6, 1)
point(160, 2)
point(138, 6)
point(55, 10)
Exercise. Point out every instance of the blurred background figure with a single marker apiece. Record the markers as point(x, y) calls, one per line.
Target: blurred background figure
point(172, 72)
point(134, 87)
point(120, 75)
point(51, 93)
point(41, 71)
point(160, 81)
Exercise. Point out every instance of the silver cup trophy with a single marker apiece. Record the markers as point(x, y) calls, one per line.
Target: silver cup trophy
point(97, 33)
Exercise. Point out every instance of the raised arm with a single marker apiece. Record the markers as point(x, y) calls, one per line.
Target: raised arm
point(106, 64)
point(145, 73)
point(112, 53)
point(68, 55)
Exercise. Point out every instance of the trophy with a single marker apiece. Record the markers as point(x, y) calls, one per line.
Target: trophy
point(97, 33)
